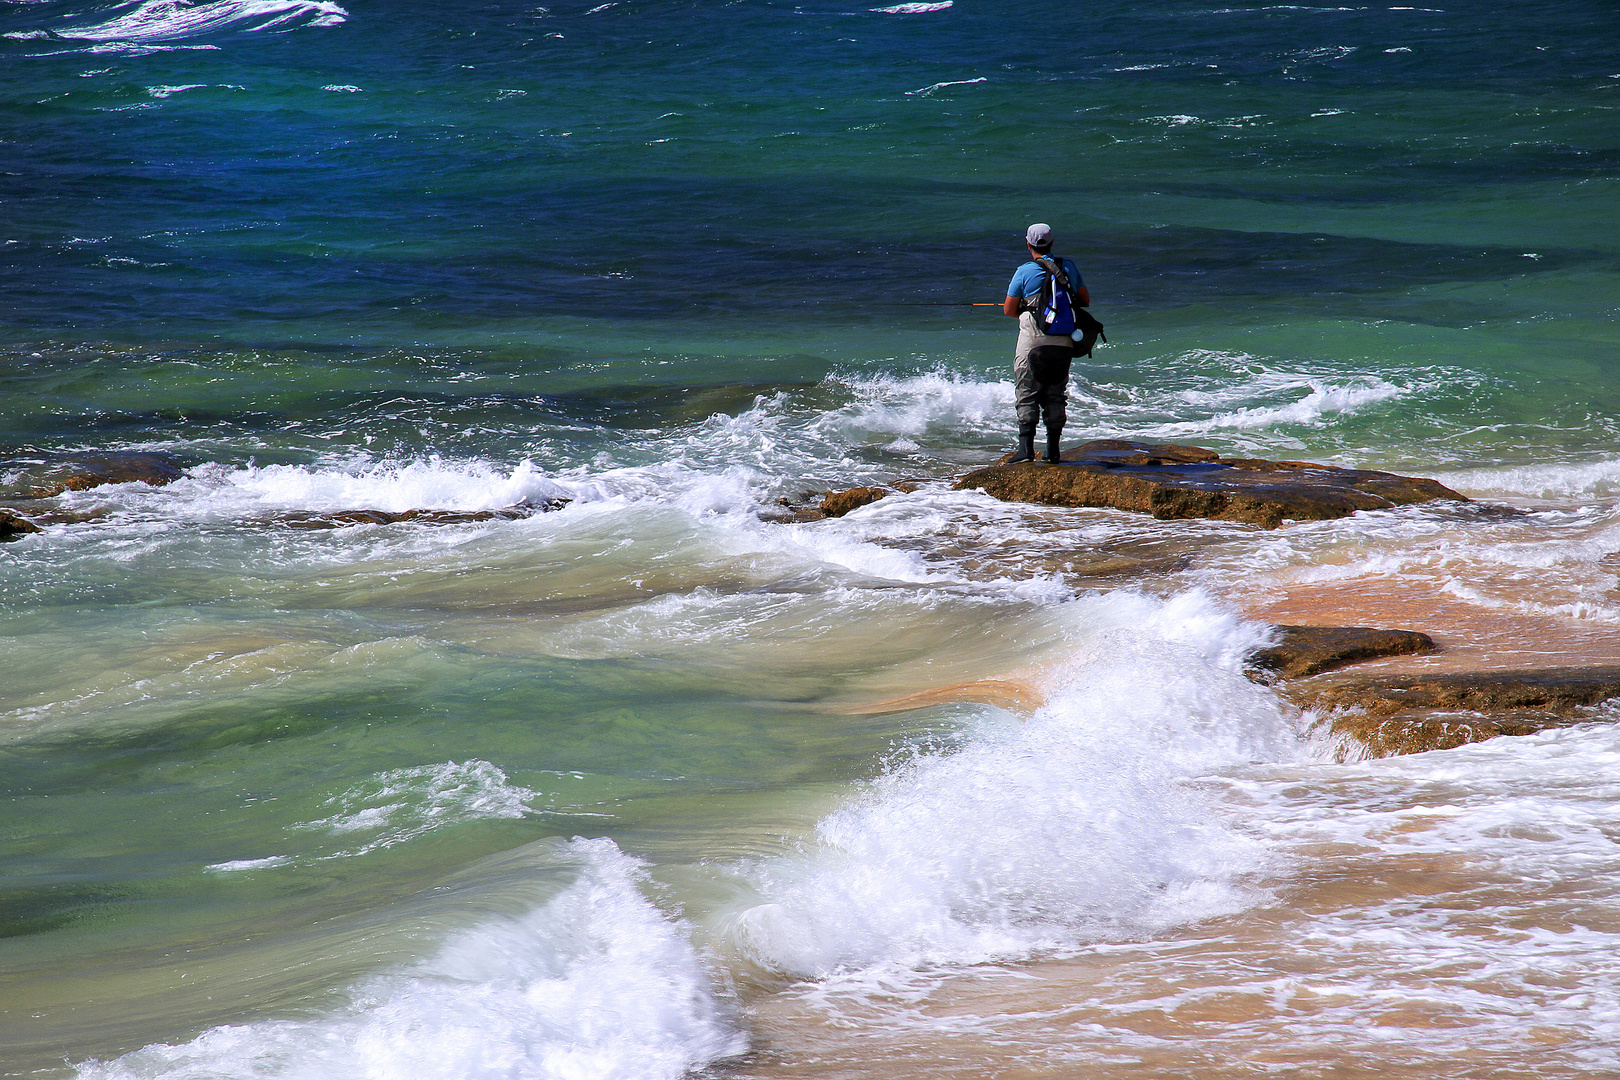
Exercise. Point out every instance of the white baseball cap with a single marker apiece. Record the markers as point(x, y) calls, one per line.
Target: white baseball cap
point(1039, 236)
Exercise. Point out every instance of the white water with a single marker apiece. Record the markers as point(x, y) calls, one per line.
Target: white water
point(594, 984)
point(1028, 837)
point(156, 21)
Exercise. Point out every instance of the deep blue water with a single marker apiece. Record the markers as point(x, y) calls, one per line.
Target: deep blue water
point(786, 163)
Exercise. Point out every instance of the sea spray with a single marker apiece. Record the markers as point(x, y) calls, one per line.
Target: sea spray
point(1078, 825)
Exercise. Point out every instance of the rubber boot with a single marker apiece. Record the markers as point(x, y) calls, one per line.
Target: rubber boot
point(1026, 446)
point(1054, 446)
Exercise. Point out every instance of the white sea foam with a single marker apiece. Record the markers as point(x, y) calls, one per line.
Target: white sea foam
point(390, 486)
point(926, 90)
point(913, 9)
point(785, 442)
point(1321, 398)
point(930, 402)
point(1077, 826)
point(151, 21)
point(1593, 479)
point(240, 865)
point(1509, 939)
point(400, 805)
point(170, 91)
point(596, 984)
point(1550, 563)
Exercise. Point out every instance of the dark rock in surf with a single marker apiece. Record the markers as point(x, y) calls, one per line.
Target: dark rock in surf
point(343, 519)
point(1412, 713)
point(13, 525)
point(44, 476)
point(1173, 482)
point(1302, 651)
point(839, 503)
point(831, 504)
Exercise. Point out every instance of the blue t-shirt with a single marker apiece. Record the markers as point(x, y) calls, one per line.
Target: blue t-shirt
point(1028, 279)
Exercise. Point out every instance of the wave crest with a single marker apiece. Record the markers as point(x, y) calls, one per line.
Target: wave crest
point(173, 20)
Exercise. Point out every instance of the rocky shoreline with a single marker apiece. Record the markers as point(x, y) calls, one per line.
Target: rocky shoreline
point(1377, 714)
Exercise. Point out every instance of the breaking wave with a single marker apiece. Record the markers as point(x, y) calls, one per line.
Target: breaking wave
point(153, 21)
point(596, 984)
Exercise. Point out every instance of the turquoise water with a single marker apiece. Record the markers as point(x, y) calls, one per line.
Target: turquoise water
point(601, 792)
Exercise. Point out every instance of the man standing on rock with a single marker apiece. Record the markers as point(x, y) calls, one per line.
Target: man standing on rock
point(1041, 365)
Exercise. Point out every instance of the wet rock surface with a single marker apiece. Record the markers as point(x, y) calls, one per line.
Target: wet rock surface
point(44, 476)
point(343, 519)
point(1412, 713)
point(1392, 736)
point(1171, 481)
point(29, 480)
point(839, 503)
point(820, 505)
point(1309, 650)
point(1554, 690)
point(13, 525)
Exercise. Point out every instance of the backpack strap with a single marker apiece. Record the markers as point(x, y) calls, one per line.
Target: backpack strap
point(1053, 265)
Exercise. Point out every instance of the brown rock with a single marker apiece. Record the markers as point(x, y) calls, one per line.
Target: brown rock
point(345, 518)
point(13, 525)
point(1170, 482)
point(1555, 690)
point(839, 503)
point(42, 476)
point(1310, 650)
point(1408, 714)
point(1391, 736)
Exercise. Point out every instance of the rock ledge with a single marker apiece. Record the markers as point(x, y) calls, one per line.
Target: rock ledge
point(1412, 713)
point(1171, 482)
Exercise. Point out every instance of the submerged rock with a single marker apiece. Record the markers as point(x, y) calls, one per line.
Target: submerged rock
point(1412, 713)
point(1309, 650)
point(832, 504)
point(1171, 481)
point(343, 519)
point(44, 476)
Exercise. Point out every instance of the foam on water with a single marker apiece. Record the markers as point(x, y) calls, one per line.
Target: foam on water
point(1553, 483)
point(153, 21)
point(1239, 391)
point(399, 805)
point(596, 984)
point(1079, 825)
point(1227, 395)
point(1516, 942)
point(936, 402)
point(786, 442)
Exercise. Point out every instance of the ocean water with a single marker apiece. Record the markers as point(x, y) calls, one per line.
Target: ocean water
point(652, 786)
